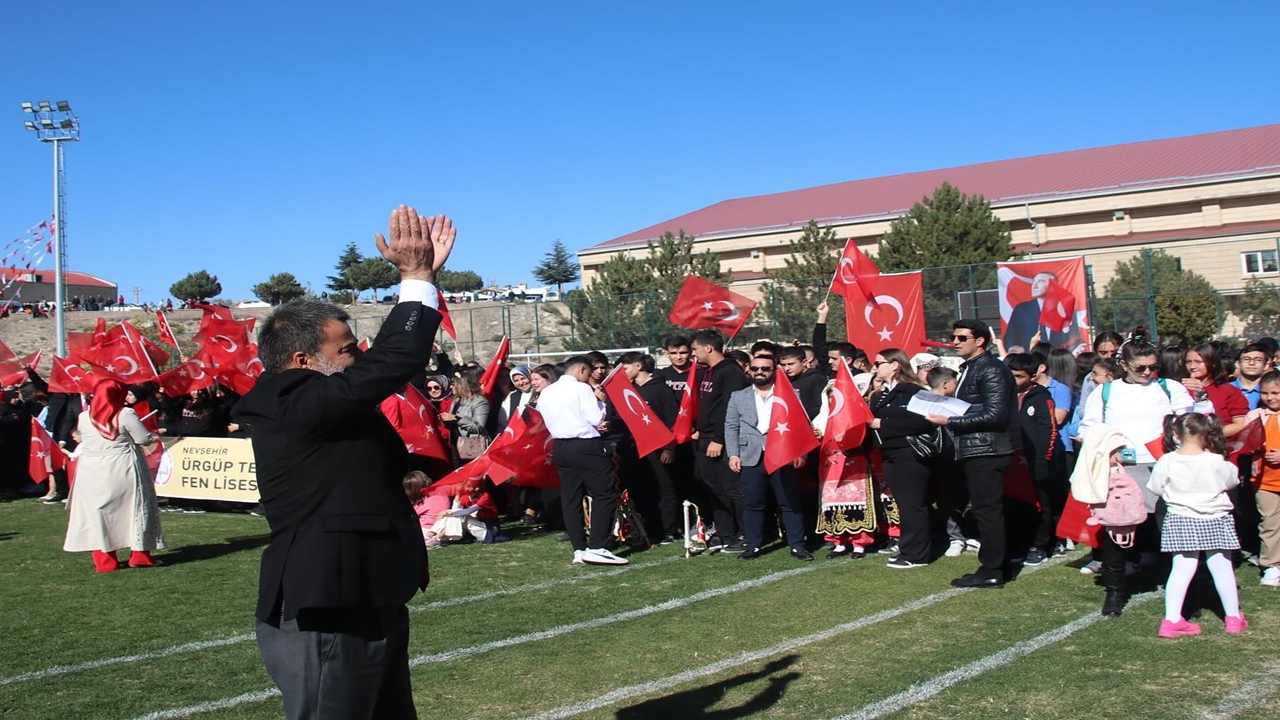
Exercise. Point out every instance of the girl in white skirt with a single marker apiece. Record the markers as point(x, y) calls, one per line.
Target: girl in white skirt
point(1194, 480)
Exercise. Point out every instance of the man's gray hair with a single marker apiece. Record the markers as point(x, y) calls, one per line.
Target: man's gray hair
point(296, 326)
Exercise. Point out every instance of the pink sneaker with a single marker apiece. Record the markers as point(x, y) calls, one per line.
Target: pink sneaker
point(1236, 624)
point(1177, 629)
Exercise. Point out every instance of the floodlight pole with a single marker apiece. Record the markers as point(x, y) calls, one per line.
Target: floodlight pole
point(56, 125)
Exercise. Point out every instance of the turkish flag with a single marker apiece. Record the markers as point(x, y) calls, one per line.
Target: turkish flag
point(703, 304)
point(856, 274)
point(67, 377)
point(226, 342)
point(489, 380)
point(6, 353)
point(895, 320)
point(1155, 447)
point(1018, 483)
point(415, 420)
point(1249, 440)
point(125, 360)
point(1059, 307)
point(446, 322)
point(527, 448)
point(166, 332)
point(46, 456)
point(193, 374)
point(99, 331)
point(78, 343)
point(13, 373)
point(150, 418)
point(789, 436)
point(1073, 525)
point(650, 433)
point(158, 355)
point(216, 311)
point(683, 429)
point(472, 472)
point(849, 415)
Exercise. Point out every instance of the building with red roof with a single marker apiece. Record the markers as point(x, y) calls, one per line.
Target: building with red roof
point(1213, 200)
point(34, 286)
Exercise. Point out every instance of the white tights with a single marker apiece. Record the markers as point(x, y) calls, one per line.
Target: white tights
point(1184, 569)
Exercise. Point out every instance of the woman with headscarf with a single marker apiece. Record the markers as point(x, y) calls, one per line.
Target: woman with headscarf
point(518, 398)
point(113, 503)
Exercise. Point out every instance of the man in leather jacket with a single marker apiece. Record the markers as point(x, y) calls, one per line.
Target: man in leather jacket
point(983, 442)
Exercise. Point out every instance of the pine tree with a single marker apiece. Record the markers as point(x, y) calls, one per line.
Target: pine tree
point(958, 238)
point(279, 288)
point(340, 284)
point(198, 286)
point(792, 295)
point(626, 304)
point(372, 274)
point(558, 266)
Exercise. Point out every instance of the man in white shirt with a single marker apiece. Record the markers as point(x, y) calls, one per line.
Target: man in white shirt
point(574, 415)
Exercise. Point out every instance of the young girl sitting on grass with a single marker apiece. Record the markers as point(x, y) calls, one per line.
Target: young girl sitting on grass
point(1194, 480)
point(428, 507)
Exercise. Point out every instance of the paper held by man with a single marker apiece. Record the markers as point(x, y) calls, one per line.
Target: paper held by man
point(927, 403)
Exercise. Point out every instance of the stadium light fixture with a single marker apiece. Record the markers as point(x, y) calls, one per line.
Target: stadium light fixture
point(56, 124)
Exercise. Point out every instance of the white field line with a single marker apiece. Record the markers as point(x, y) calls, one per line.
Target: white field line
point(1244, 697)
point(247, 637)
point(630, 692)
point(261, 695)
point(919, 693)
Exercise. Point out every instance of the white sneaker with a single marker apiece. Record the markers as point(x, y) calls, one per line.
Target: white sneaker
point(955, 549)
point(973, 544)
point(1093, 568)
point(600, 556)
point(1271, 577)
point(577, 557)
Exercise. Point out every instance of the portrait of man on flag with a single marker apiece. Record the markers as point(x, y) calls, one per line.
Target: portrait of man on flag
point(1043, 301)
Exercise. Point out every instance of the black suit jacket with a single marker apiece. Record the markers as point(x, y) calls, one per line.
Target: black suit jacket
point(1024, 323)
point(330, 470)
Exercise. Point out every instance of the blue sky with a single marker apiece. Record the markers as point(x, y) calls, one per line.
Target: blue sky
point(249, 138)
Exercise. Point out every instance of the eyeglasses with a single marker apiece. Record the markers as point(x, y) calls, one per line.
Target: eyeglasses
point(878, 363)
point(1252, 360)
point(962, 338)
point(758, 368)
point(1143, 369)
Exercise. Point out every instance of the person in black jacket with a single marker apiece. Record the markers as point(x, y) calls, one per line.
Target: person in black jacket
point(721, 379)
point(346, 550)
point(983, 443)
point(658, 395)
point(1041, 451)
point(894, 383)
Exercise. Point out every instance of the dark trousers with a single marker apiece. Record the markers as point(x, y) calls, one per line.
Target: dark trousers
point(724, 487)
point(908, 478)
point(1050, 481)
point(756, 485)
point(984, 476)
point(341, 663)
point(586, 470)
point(670, 519)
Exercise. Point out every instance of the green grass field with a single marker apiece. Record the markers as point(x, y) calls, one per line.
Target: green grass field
point(515, 631)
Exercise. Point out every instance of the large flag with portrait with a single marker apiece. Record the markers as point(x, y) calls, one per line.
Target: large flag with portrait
point(1043, 301)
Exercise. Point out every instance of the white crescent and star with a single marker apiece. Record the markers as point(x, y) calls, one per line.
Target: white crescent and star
point(132, 364)
point(734, 312)
point(889, 300)
point(837, 401)
point(780, 427)
point(627, 395)
point(850, 277)
point(200, 365)
point(232, 343)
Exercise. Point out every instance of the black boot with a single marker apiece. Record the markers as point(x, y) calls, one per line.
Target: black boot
point(1113, 580)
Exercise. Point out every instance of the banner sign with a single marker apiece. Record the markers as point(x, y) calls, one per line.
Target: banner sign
point(1043, 301)
point(208, 469)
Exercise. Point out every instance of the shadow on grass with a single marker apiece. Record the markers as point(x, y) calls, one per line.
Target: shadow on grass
point(698, 701)
point(209, 551)
point(8, 535)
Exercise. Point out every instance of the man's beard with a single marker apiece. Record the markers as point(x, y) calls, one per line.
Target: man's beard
point(325, 367)
point(761, 382)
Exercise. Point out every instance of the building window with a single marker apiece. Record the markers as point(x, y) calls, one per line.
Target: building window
point(1260, 262)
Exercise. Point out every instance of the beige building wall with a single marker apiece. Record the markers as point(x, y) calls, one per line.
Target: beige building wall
point(1194, 222)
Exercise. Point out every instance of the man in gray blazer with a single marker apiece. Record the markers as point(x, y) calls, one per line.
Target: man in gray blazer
point(746, 421)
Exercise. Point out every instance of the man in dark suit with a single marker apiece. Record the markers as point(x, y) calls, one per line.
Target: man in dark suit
point(346, 550)
point(1024, 321)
